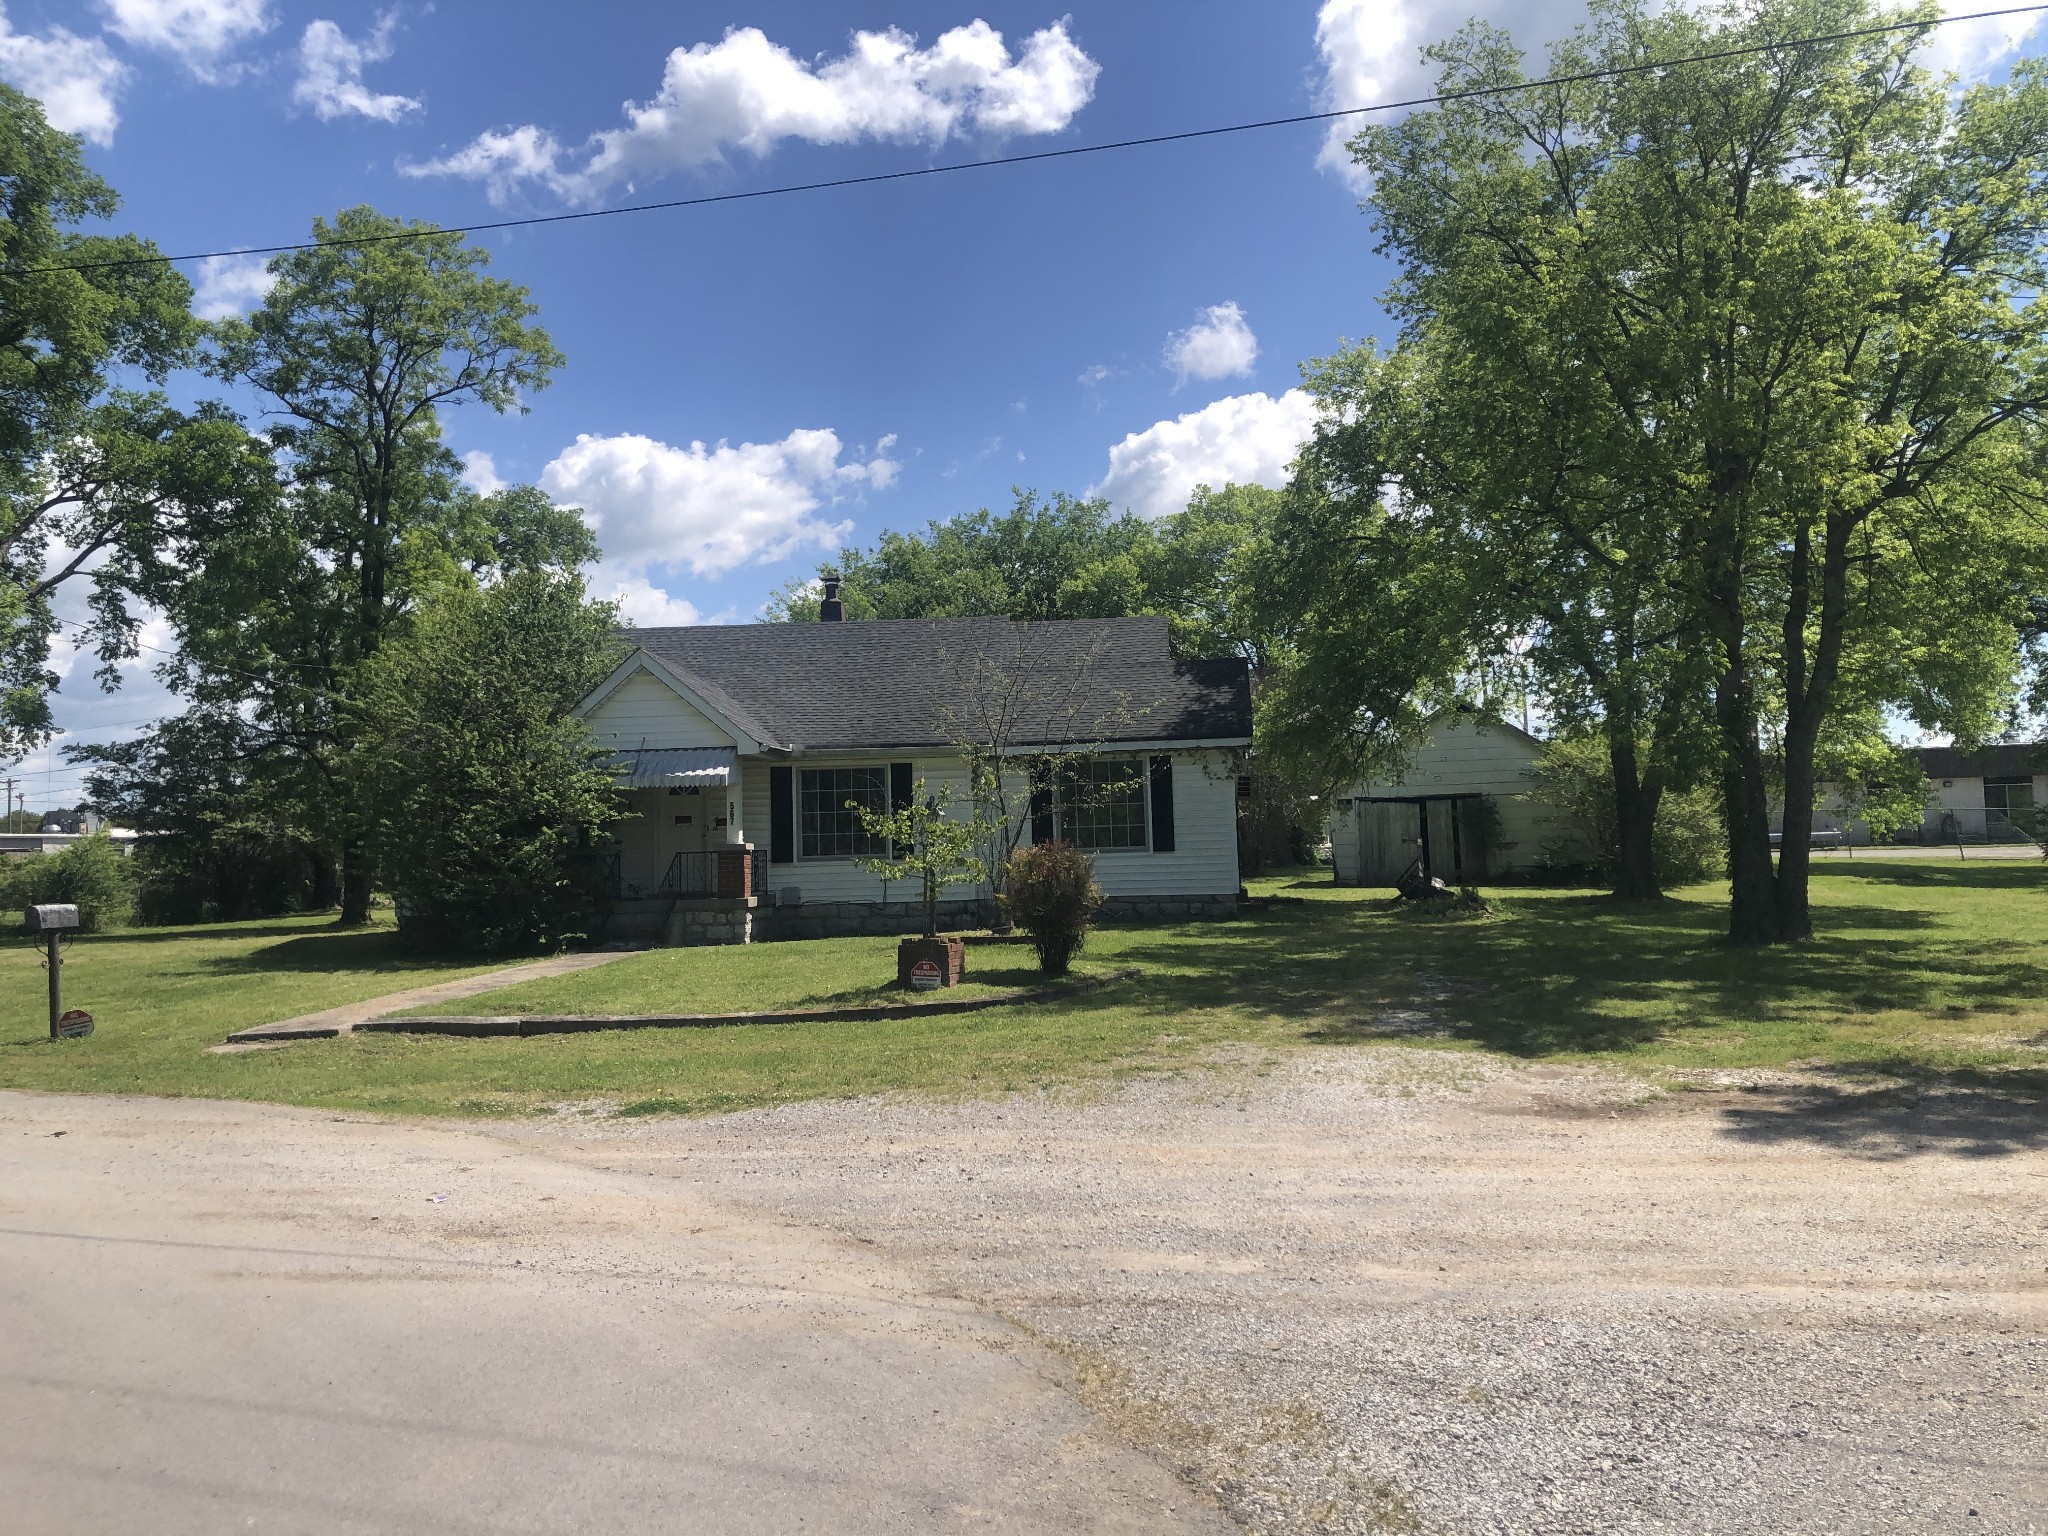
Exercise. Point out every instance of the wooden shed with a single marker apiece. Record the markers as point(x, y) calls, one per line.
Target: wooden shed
point(1463, 804)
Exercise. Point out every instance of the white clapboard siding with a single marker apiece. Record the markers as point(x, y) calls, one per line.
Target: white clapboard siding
point(1463, 756)
point(1204, 858)
point(1203, 863)
point(645, 711)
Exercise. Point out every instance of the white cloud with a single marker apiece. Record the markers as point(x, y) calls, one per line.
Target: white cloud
point(195, 31)
point(1242, 440)
point(230, 285)
point(481, 471)
point(712, 509)
point(745, 92)
point(331, 73)
point(640, 601)
point(1372, 49)
point(1217, 346)
point(76, 78)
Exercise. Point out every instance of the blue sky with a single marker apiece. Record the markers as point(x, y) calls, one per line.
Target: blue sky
point(750, 385)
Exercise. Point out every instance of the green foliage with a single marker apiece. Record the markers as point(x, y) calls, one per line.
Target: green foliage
point(92, 872)
point(488, 799)
point(1064, 558)
point(1053, 895)
point(1727, 378)
point(925, 845)
point(1575, 778)
point(71, 485)
point(361, 345)
point(1878, 781)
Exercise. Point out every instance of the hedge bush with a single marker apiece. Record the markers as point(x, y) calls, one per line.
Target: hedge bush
point(1052, 895)
point(92, 873)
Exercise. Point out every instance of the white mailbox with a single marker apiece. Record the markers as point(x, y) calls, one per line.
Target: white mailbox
point(53, 917)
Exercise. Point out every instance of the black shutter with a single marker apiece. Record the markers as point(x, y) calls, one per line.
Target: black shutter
point(781, 816)
point(901, 791)
point(1162, 804)
point(1041, 804)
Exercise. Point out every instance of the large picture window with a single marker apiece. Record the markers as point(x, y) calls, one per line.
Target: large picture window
point(830, 829)
point(2003, 797)
point(1102, 803)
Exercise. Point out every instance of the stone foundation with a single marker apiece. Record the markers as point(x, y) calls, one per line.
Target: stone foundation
point(844, 919)
point(1153, 908)
point(713, 920)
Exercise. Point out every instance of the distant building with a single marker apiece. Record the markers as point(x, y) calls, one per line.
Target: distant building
point(1988, 795)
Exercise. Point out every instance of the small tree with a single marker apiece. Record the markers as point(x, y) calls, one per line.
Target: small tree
point(490, 798)
point(926, 845)
point(1054, 894)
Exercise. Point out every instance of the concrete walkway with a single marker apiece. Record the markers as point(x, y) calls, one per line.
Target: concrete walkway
point(329, 1022)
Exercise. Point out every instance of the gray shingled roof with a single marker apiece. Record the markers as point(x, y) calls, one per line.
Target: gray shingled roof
point(2008, 760)
point(923, 682)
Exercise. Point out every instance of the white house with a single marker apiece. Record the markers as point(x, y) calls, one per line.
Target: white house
point(741, 746)
point(1462, 804)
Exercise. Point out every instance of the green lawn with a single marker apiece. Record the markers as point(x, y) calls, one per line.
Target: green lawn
point(824, 973)
point(1922, 969)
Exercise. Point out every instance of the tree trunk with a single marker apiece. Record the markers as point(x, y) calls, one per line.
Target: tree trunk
point(1745, 800)
point(1795, 919)
point(355, 884)
point(1635, 821)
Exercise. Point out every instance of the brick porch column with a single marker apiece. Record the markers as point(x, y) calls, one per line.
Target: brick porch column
point(735, 871)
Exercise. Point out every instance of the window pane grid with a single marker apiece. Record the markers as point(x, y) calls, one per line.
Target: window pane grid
point(830, 830)
point(1103, 805)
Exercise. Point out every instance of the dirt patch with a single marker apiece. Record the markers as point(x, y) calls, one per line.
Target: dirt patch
point(1395, 1289)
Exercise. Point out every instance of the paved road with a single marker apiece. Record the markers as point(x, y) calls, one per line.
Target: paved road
point(220, 1317)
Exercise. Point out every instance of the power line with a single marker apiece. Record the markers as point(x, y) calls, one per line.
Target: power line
point(1073, 152)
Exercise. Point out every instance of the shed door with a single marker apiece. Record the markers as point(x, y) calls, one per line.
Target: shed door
point(1388, 834)
point(1444, 860)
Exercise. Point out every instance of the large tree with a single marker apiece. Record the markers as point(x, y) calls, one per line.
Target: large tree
point(1788, 303)
point(359, 347)
point(84, 486)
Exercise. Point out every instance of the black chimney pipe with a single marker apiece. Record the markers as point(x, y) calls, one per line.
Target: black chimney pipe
point(830, 609)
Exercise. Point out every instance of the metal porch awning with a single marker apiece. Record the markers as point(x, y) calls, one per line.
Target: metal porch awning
point(674, 767)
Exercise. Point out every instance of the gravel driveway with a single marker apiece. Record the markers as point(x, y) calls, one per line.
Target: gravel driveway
point(1385, 1288)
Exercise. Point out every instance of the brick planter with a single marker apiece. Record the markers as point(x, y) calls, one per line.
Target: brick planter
point(949, 955)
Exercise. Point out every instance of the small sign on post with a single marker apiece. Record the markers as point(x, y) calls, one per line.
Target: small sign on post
point(52, 920)
point(925, 976)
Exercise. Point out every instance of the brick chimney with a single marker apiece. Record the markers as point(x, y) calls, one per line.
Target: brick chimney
point(830, 609)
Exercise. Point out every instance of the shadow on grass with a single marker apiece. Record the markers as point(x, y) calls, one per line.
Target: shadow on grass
point(1575, 974)
point(1985, 875)
point(361, 949)
point(1975, 1114)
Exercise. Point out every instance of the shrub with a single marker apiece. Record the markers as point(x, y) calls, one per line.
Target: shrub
point(92, 873)
point(1576, 778)
point(1052, 893)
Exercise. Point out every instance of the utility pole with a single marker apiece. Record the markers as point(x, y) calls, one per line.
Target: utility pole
point(8, 810)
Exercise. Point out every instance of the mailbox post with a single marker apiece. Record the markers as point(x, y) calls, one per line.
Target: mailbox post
point(52, 921)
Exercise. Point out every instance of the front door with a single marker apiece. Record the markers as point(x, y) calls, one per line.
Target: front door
point(682, 835)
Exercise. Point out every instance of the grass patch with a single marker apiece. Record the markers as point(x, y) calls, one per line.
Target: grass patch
point(1929, 972)
point(745, 978)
